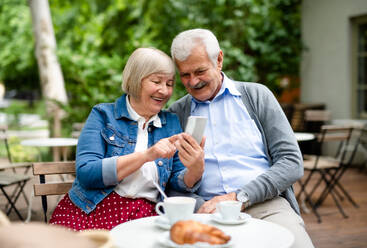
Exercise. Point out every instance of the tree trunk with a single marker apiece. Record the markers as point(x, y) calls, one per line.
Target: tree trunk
point(52, 81)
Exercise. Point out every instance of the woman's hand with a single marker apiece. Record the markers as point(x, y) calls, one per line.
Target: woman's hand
point(164, 148)
point(128, 164)
point(191, 155)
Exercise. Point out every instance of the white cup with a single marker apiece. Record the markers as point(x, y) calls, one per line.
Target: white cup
point(229, 210)
point(176, 208)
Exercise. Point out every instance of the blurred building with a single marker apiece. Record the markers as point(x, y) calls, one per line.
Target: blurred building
point(334, 63)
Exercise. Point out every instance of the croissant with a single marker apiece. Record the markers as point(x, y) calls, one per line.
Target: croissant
point(190, 232)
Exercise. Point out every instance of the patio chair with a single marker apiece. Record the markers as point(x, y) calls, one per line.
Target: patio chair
point(329, 168)
point(44, 188)
point(313, 121)
point(13, 178)
point(336, 174)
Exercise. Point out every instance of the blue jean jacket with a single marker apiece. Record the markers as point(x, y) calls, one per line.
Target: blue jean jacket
point(109, 132)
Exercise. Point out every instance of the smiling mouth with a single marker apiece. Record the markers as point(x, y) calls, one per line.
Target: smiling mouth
point(158, 99)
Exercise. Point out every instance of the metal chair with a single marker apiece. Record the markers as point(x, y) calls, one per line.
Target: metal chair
point(44, 188)
point(330, 168)
point(13, 178)
point(334, 175)
point(313, 121)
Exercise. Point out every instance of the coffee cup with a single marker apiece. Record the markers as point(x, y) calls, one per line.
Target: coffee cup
point(229, 210)
point(176, 208)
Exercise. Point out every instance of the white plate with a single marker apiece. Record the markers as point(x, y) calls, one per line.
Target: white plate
point(162, 222)
point(166, 241)
point(241, 219)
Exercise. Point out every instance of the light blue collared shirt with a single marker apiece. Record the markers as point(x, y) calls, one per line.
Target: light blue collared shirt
point(234, 151)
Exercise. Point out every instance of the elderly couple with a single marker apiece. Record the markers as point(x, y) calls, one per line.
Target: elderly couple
point(251, 154)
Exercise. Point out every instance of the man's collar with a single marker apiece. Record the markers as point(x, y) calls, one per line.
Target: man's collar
point(227, 86)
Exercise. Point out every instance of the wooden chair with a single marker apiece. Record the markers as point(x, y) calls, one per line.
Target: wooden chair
point(44, 188)
point(330, 168)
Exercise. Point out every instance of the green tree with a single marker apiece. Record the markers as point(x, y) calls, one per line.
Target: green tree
point(260, 40)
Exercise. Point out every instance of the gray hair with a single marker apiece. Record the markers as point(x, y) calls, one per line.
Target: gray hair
point(185, 41)
point(142, 63)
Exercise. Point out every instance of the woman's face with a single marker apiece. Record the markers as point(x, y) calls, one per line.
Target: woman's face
point(156, 90)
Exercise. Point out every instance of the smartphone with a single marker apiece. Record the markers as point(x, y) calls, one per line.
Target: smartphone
point(196, 126)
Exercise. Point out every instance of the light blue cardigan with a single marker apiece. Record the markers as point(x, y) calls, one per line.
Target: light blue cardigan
point(284, 155)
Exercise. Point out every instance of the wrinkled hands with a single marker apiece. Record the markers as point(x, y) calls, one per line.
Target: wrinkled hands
point(210, 206)
point(191, 155)
point(165, 148)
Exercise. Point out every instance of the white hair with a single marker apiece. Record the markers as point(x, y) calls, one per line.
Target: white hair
point(185, 41)
point(142, 63)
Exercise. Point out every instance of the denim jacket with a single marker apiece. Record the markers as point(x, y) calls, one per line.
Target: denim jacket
point(109, 132)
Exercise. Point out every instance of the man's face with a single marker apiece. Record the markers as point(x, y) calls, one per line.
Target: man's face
point(200, 77)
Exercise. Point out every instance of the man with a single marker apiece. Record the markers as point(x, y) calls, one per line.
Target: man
point(251, 154)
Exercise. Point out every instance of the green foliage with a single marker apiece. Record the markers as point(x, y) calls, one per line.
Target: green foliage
point(260, 40)
point(18, 67)
point(22, 153)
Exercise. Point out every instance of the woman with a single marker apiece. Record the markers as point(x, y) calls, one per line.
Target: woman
point(126, 145)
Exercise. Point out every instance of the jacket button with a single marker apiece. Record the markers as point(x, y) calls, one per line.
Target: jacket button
point(164, 184)
point(160, 163)
point(112, 138)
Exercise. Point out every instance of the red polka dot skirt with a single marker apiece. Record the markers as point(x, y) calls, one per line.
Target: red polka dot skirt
point(113, 210)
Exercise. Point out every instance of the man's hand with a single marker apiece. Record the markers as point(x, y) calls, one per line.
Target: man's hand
point(191, 155)
point(190, 152)
point(209, 207)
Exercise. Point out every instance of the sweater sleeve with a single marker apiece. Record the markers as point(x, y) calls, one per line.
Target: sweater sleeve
point(285, 158)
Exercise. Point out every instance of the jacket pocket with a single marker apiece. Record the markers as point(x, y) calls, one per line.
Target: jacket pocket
point(115, 142)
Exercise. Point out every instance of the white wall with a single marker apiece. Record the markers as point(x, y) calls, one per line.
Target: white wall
point(326, 63)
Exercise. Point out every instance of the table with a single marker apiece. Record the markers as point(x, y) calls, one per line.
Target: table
point(253, 233)
point(55, 143)
point(304, 136)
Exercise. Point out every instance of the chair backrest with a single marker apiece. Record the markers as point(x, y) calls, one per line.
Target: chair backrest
point(337, 134)
point(317, 115)
point(314, 119)
point(360, 139)
point(4, 137)
point(52, 168)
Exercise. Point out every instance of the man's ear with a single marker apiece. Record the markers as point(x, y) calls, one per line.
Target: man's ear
point(220, 60)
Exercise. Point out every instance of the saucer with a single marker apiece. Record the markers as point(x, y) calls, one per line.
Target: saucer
point(166, 241)
point(162, 222)
point(241, 219)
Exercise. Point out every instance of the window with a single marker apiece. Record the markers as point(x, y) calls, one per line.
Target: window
point(362, 70)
